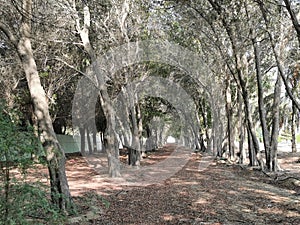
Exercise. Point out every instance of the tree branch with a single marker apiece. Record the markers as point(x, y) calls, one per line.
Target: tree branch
point(293, 18)
point(9, 34)
point(70, 66)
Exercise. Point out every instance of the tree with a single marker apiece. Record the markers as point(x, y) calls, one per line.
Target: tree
point(60, 192)
point(110, 138)
point(293, 18)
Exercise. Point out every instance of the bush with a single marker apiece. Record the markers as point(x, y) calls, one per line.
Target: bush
point(21, 202)
point(28, 204)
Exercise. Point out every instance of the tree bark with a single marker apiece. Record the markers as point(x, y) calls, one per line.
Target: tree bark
point(277, 58)
point(240, 79)
point(110, 136)
point(293, 18)
point(261, 104)
point(242, 151)
point(134, 112)
point(275, 124)
point(88, 136)
point(60, 193)
point(277, 91)
point(252, 159)
point(293, 128)
point(229, 114)
point(94, 141)
point(217, 133)
point(82, 140)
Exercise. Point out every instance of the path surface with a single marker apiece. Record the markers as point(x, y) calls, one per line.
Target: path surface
point(218, 194)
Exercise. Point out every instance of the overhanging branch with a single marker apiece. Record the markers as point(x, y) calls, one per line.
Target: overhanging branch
point(8, 34)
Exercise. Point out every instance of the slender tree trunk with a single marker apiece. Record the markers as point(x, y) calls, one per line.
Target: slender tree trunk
point(88, 136)
point(122, 116)
point(293, 128)
point(140, 128)
point(82, 140)
point(60, 193)
point(281, 77)
point(252, 159)
point(275, 124)
point(293, 18)
point(241, 82)
point(110, 136)
point(277, 56)
point(261, 104)
point(229, 119)
point(94, 141)
point(217, 147)
point(205, 119)
point(251, 131)
point(136, 154)
point(112, 150)
point(55, 156)
point(295, 81)
point(199, 145)
point(242, 151)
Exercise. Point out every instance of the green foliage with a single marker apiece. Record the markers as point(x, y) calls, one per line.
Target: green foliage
point(28, 204)
point(18, 144)
point(21, 202)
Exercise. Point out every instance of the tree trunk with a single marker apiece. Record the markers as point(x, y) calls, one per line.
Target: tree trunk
point(293, 18)
point(140, 129)
point(198, 137)
point(229, 119)
point(293, 128)
point(94, 141)
point(55, 156)
point(275, 124)
point(240, 78)
point(112, 150)
point(277, 56)
point(110, 138)
point(255, 144)
point(135, 155)
point(205, 121)
point(60, 193)
point(89, 140)
point(277, 91)
point(217, 133)
point(82, 140)
point(261, 105)
point(242, 152)
point(252, 159)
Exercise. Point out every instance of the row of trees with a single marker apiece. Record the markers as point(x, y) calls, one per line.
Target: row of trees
point(251, 52)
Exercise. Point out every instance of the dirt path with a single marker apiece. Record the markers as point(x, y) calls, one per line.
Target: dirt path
point(219, 194)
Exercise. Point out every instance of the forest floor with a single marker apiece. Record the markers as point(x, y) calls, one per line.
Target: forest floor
point(217, 192)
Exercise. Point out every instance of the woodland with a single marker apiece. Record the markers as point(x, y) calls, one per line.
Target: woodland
point(218, 78)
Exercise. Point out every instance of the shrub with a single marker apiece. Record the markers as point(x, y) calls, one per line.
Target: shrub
point(21, 202)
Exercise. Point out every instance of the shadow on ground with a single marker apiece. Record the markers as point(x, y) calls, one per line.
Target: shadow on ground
point(220, 194)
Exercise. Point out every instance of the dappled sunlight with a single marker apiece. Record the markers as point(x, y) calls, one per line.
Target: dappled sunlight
point(217, 195)
point(168, 217)
point(271, 210)
point(270, 195)
point(205, 198)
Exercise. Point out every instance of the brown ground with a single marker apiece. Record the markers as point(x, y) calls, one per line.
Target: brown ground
point(200, 191)
point(220, 194)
